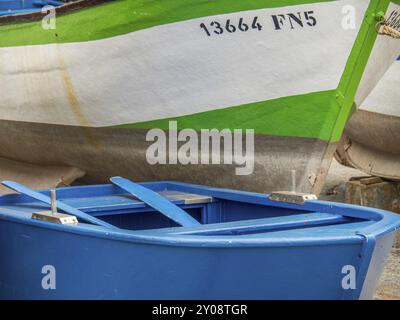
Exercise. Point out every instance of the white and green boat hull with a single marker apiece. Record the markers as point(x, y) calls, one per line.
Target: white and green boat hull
point(87, 96)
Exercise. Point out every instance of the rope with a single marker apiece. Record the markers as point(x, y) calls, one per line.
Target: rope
point(384, 29)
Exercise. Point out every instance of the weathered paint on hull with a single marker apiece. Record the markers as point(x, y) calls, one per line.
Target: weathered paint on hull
point(370, 144)
point(371, 138)
point(86, 98)
point(103, 152)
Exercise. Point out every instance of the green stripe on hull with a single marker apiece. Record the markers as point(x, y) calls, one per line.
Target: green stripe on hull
point(310, 115)
point(356, 65)
point(124, 16)
point(319, 115)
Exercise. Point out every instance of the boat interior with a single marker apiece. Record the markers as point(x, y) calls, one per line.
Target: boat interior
point(181, 208)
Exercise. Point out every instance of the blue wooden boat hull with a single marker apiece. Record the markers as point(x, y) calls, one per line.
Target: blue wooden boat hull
point(235, 259)
point(9, 7)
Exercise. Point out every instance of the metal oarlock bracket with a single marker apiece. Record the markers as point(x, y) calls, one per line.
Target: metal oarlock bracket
point(292, 197)
point(53, 215)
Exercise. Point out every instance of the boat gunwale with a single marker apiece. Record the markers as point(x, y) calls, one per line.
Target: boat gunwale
point(35, 14)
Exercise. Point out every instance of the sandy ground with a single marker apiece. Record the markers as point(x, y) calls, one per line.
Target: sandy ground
point(334, 190)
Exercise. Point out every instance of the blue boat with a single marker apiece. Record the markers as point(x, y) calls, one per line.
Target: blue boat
point(171, 240)
point(9, 7)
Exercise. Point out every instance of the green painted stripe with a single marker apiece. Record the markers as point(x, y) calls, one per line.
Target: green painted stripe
point(316, 115)
point(124, 16)
point(356, 64)
point(320, 115)
point(310, 115)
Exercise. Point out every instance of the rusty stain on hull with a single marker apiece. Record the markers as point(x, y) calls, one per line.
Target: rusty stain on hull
point(70, 92)
point(73, 103)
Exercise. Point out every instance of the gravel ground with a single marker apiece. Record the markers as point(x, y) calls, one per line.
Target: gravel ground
point(334, 190)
